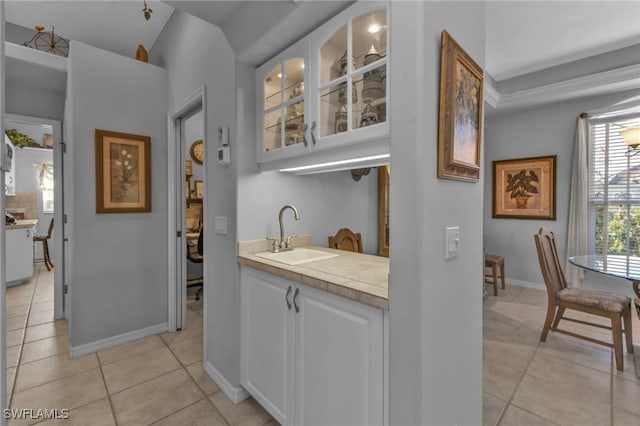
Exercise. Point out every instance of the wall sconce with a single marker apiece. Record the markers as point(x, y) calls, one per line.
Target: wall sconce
point(631, 137)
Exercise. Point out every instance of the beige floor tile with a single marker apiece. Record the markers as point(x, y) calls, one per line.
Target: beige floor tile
point(40, 318)
point(188, 351)
point(199, 414)
point(500, 380)
point(629, 371)
point(515, 416)
point(44, 348)
point(625, 418)
point(626, 395)
point(559, 405)
point(192, 330)
point(129, 349)
point(492, 409)
point(16, 323)
point(155, 399)
point(46, 330)
point(203, 380)
point(70, 392)
point(16, 310)
point(511, 354)
point(247, 412)
point(11, 378)
point(41, 307)
point(52, 368)
point(139, 368)
point(575, 378)
point(17, 300)
point(97, 413)
point(13, 353)
point(14, 337)
point(578, 351)
point(22, 290)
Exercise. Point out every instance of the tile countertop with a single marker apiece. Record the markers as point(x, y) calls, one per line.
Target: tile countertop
point(22, 223)
point(356, 276)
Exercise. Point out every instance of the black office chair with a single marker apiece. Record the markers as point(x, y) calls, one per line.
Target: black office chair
point(196, 258)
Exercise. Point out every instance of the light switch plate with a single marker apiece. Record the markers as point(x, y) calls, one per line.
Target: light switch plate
point(221, 225)
point(452, 242)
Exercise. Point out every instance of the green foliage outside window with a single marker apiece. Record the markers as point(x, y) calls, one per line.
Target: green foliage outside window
point(617, 230)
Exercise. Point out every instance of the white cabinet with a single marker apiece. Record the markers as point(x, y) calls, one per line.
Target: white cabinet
point(308, 356)
point(19, 253)
point(313, 97)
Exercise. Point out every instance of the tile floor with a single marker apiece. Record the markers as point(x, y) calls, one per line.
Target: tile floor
point(563, 381)
point(157, 380)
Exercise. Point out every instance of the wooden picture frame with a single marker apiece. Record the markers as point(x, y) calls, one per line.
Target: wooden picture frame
point(199, 188)
point(123, 172)
point(384, 174)
point(460, 113)
point(525, 188)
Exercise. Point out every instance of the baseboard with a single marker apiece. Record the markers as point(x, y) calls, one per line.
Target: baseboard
point(529, 284)
point(235, 393)
point(100, 345)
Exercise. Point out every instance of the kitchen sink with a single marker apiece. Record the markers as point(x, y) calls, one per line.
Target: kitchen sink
point(297, 256)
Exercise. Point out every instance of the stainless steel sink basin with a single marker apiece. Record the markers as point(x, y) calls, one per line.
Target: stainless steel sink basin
point(297, 256)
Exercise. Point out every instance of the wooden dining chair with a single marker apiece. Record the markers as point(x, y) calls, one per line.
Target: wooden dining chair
point(616, 307)
point(196, 258)
point(44, 239)
point(347, 240)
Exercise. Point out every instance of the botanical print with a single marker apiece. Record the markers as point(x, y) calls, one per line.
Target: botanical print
point(465, 134)
point(124, 159)
point(524, 188)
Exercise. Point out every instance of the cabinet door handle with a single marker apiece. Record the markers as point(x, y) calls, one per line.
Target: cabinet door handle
point(286, 297)
point(313, 136)
point(304, 134)
point(295, 296)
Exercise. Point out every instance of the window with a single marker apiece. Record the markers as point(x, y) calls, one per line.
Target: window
point(614, 188)
point(45, 177)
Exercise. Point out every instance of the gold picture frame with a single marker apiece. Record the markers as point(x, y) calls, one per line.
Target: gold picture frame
point(525, 188)
point(460, 113)
point(123, 172)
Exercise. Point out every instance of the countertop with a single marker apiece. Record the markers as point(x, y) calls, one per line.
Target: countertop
point(360, 277)
point(22, 224)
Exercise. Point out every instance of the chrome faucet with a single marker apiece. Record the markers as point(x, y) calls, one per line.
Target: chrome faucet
point(285, 244)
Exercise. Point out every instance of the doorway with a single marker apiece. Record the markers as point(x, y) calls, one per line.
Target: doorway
point(187, 174)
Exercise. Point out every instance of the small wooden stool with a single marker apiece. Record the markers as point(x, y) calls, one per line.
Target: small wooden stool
point(493, 262)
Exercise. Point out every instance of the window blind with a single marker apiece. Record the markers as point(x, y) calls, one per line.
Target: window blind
point(614, 189)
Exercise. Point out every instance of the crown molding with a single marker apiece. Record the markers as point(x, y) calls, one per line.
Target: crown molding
point(491, 94)
point(617, 80)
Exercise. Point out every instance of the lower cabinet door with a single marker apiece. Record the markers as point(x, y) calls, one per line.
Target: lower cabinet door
point(267, 342)
point(19, 254)
point(339, 361)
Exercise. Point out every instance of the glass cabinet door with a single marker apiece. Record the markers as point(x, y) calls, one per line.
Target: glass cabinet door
point(284, 104)
point(353, 75)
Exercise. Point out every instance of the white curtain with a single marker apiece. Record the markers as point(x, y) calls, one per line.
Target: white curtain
point(578, 232)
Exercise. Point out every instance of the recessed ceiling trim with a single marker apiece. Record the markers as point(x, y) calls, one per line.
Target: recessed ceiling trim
point(491, 94)
point(617, 80)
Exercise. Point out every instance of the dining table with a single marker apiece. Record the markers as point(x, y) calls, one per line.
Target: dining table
point(619, 266)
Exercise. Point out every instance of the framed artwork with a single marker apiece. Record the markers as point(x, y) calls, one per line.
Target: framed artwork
point(460, 113)
point(199, 187)
point(525, 188)
point(123, 172)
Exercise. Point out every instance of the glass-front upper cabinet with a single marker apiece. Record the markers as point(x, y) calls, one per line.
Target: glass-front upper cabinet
point(351, 85)
point(284, 107)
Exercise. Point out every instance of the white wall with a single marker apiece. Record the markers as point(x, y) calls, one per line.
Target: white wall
point(195, 54)
point(435, 314)
point(36, 102)
point(532, 132)
point(194, 128)
point(3, 341)
point(117, 279)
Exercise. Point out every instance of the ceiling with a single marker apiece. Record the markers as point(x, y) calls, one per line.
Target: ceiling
point(521, 36)
point(118, 26)
point(527, 36)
